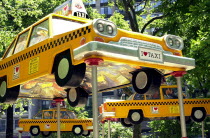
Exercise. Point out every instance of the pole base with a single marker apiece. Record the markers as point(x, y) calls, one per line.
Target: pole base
point(178, 73)
point(94, 61)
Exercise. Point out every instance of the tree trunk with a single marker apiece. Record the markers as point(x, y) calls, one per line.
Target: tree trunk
point(9, 127)
point(137, 131)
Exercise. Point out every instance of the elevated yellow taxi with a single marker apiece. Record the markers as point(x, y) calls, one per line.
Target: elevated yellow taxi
point(45, 122)
point(163, 104)
point(57, 47)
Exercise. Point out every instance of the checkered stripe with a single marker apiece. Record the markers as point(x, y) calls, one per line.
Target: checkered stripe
point(44, 122)
point(158, 103)
point(73, 35)
point(35, 122)
point(75, 121)
point(197, 102)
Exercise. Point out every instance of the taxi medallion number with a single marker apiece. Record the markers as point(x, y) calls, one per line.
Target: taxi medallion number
point(34, 65)
point(174, 109)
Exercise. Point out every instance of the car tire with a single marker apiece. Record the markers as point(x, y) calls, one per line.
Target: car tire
point(125, 122)
point(135, 116)
point(77, 130)
point(77, 97)
point(146, 81)
point(198, 114)
point(8, 95)
point(34, 130)
point(46, 133)
point(86, 133)
point(66, 74)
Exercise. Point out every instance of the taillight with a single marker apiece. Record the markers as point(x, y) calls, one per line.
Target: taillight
point(105, 106)
point(100, 109)
point(177, 54)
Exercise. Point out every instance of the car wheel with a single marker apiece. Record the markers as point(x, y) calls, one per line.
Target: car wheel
point(135, 116)
point(125, 122)
point(34, 130)
point(8, 95)
point(198, 114)
point(86, 133)
point(146, 80)
point(77, 97)
point(66, 74)
point(46, 133)
point(77, 130)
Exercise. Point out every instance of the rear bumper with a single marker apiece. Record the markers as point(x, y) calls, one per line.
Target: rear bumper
point(95, 48)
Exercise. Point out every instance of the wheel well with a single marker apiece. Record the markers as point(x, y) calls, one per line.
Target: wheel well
point(64, 52)
point(135, 110)
point(4, 78)
point(201, 108)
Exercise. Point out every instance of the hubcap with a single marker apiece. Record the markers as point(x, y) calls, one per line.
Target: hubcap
point(3, 88)
point(135, 116)
point(35, 130)
point(72, 94)
point(77, 130)
point(198, 114)
point(141, 80)
point(63, 68)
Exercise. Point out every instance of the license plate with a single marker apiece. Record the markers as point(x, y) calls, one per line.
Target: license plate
point(150, 55)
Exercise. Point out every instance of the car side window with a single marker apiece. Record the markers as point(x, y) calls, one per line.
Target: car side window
point(72, 115)
point(139, 96)
point(40, 33)
point(169, 93)
point(21, 43)
point(10, 50)
point(47, 115)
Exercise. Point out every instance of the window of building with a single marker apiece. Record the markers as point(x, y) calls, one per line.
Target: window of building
point(21, 43)
point(45, 104)
point(104, 98)
point(106, 10)
point(16, 124)
point(104, 1)
point(39, 33)
point(92, 2)
point(2, 125)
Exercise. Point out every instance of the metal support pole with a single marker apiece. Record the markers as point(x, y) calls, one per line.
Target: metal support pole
point(58, 120)
point(109, 130)
point(95, 102)
point(103, 131)
point(19, 134)
point(203, 134)
point(94, 62)
point(181, 108)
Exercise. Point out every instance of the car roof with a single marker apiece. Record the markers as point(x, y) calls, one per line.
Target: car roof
point(83, 20)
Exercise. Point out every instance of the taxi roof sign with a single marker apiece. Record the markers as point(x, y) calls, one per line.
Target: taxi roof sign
point(72, 8)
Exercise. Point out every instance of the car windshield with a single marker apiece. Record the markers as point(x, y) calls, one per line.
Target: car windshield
point(63, 25)
point(38, 115)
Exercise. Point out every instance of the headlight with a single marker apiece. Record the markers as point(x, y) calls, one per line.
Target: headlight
point(100, 27)
point(105, 27)
point(174, 42)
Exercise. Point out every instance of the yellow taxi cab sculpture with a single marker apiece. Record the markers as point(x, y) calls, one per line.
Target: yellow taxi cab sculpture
point(57, 46)
point(45, 122)
point(163, 104)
